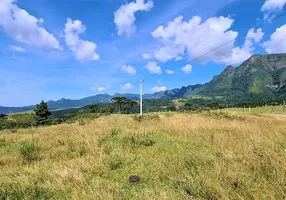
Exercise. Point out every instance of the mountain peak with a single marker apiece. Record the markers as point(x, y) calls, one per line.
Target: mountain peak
point(229, 67)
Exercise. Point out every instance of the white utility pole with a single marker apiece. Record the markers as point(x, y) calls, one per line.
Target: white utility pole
point(141, 98)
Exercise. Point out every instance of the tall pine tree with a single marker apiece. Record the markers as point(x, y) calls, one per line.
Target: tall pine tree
point(42, 113)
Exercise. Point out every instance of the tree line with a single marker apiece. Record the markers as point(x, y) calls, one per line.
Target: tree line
point(43, 116)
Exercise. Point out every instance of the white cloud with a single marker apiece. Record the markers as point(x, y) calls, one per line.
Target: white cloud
point(255, 35)
point(271, 7)
point(129, 69)
point(187, 69)
point(277, 42)
point(100, 89)
point(178, 58)
point(153, 68)
point(159, 89)
point(127, 86)
point(19, 25)
point(195, 38)
point(83, 50)
point(124, 17)
point(146, 56)
point(168, 71)
point(18, 49)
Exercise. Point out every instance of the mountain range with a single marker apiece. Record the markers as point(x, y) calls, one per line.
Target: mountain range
point(261, 77)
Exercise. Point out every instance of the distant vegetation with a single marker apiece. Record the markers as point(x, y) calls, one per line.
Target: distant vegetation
point(121, 105)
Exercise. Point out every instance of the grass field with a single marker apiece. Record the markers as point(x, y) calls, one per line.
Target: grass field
point(176, 156)
point(257, 110)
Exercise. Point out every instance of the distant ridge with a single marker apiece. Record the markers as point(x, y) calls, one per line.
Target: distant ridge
point(259, 78)
point(105, 98)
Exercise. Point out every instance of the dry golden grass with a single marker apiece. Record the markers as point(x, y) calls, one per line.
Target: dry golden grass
point(181, 156)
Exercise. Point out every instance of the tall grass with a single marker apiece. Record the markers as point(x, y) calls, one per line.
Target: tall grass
point(182, 156)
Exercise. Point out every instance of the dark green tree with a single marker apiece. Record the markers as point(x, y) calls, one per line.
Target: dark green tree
point(131, 103)
point(2, 116)
point(42, 113)
point(107, 109)
point(92, 108)
point(119, 101)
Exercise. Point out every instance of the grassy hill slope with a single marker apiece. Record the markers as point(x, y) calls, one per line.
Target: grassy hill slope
point(261, 77)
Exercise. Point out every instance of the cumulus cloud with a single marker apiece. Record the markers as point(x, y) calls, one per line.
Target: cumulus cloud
point(124, 17)
point(19, 25)
point(187, 69)
point(127, 86)
point(146, 56)
point(128, 69)
point(18, 49)
point(159, 89)
point(83, 50)
point(272, 7)
point(195, 38)
point(168, 71)
point(98, 89)
point(101, 89)
point(277, 42)
point(153, 68)
point(255, 35)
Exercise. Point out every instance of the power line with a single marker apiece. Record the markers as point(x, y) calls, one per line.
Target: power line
point(218, 47)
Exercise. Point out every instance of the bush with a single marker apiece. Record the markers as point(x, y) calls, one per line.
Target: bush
point(28, 152)
point(7, 124)
point(114, 132)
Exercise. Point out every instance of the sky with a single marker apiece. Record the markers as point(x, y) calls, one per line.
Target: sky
point(53, 49)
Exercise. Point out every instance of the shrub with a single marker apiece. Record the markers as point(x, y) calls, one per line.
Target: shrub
point(139, 140)
point(81, 122)
point(114, 132)
point(28, 152)
point(115, 163)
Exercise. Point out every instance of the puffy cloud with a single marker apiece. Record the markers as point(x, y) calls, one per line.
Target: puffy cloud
point(129, 69)
point(127, 86)
point(238, 55)
point(159, 89)
point(146, 56)
point(19, 25)
point(83, 50)
point(277, 42)
point(196, 38)
point(100, 89)
point(124, 17)
point(168, 71)
point(187, 69)
point(271, 7)
point(18, 49)
point(255, 35)
point(153, 68)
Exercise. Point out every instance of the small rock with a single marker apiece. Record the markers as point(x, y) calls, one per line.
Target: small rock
point(134, 179)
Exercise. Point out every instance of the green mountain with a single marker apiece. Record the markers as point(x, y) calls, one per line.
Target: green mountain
point(261, 77)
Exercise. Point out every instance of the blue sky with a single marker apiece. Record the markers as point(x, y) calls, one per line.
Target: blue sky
point(53, 49)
